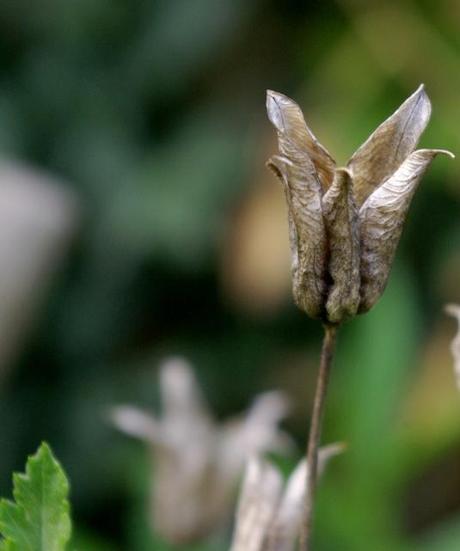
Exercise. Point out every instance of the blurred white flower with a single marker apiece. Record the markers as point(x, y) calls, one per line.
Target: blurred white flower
point(454, 310)
point(269, 517)
point(197, 463)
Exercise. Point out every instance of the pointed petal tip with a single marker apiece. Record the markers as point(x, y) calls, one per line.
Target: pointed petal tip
point(273, 109)
point(421, 90)
point(418, 94)
point(272, 94)
point(276, 105)
point(421, 94)
point(274, 98)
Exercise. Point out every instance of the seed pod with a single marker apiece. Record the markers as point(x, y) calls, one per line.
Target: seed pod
point(345, 223)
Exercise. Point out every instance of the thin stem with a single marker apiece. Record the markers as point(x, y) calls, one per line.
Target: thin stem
point(327, 354)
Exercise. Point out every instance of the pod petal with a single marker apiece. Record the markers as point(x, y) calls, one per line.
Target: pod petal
point(381, 221)
point(341, 218)
point(384, 151)
point(307, 234)
point(296, 141)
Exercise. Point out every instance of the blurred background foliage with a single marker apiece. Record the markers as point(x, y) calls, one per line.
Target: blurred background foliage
point(153, 114)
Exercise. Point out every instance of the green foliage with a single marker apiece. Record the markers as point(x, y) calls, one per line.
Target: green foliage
point(38, 519)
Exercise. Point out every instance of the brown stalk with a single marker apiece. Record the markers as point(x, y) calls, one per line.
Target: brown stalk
point(327, 354)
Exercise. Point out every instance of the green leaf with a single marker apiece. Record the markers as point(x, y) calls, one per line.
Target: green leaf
point(39, 519)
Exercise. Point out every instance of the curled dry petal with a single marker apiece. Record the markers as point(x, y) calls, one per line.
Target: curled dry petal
point(381, 221)
point(384, 151)
point(454, 310)
point(341, 218)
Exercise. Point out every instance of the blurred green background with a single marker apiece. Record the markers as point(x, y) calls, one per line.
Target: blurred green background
point(153, 113)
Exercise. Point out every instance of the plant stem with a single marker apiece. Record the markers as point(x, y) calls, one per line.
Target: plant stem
point(327, 354)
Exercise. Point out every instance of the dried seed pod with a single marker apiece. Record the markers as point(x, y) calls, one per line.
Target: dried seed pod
point(345, 223)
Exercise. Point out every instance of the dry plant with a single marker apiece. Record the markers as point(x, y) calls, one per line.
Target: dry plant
point(197, 463)
point(345, 224)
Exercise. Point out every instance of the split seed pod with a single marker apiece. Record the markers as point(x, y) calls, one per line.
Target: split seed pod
point(345, 223)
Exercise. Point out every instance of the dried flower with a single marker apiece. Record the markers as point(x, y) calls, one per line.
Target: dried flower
point(197, 463)
point(268, 518)
point(345, 223)
point(454, 310)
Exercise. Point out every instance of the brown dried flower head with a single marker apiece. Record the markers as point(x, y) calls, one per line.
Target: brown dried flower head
point(345, 223)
